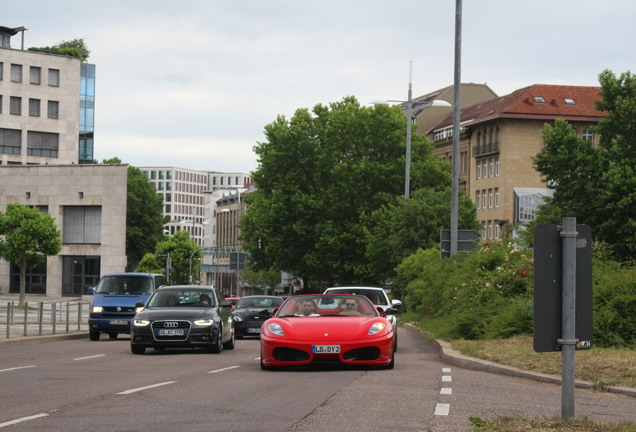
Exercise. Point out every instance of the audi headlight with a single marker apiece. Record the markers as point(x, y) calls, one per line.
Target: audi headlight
point(204, 322)
point(377, 328)
point(276, 329)
point(97, 309)
point(140, 323)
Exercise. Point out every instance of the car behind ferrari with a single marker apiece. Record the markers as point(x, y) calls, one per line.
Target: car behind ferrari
point(327, 328)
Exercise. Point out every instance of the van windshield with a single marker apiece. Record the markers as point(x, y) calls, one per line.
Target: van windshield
point(124, 285)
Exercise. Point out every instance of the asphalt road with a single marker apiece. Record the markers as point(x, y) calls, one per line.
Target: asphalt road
point(79, 385)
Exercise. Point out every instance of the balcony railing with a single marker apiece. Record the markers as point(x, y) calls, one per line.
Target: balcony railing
point(486, 149)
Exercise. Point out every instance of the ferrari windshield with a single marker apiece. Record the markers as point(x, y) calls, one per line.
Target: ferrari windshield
point(326, 305)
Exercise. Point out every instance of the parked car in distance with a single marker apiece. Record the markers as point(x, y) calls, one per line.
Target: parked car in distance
point(113, 304)
point(350, 331)
point(378, 297)
point(182, 316)
point(232, 301)
point(251, 312)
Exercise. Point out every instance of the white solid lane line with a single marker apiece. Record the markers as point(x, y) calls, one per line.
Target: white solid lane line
point(90, 357)
point(146, 388)
point(23, 419)
point(224, 369)
point(442, 409)
point(16, 368)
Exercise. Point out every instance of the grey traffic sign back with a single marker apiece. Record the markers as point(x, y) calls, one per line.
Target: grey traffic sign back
point(548, 280)
point(466, 241)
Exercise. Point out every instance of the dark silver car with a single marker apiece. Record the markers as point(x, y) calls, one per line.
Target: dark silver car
point(182, 316)
point(251, 311)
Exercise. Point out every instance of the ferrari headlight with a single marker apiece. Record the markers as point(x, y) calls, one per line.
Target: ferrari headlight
point(237, 318)
point(140, 323)
point(276, 329)
point(377, 328)
point(204, 322)
point(97, 309)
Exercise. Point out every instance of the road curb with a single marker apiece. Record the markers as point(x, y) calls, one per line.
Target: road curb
point(451, 356)
point(30, 340)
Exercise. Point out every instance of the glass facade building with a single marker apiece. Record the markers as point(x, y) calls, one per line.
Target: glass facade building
point(87, 113)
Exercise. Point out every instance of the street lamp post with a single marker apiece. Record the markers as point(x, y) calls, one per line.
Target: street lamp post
point(454, 222)
point(409, 123)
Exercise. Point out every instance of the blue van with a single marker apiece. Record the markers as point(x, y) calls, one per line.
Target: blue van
point(113, 304)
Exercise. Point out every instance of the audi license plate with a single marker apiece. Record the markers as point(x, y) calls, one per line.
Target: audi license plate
point(118, 322)
point(170, 332)
point(254, 330)
point(325, 349)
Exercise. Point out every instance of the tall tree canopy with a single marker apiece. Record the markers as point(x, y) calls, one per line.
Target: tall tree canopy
point(28, 237)
point(597, 185)
point(320, 174)
point(144, 215)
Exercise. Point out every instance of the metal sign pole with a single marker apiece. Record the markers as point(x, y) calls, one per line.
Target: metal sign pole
point(568, 341)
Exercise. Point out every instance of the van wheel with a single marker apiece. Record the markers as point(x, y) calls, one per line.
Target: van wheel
point(94, 335)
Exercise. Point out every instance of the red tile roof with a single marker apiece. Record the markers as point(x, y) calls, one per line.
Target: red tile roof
point(523, 103)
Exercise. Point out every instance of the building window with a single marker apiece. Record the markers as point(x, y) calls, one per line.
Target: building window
point(478, 169)
point(489, 198)
point(53, 109)
point(478, 199)
point(15, 105)
point(35, 74)
point(168, 197)
point(82, 225)
point(497, 166)
point(588, 135)
point(496, 197)
point(42, 144)
point(0, 103)
point(489, 227)
point(497, 231)
point(484, 199)
point(153, 175)
point(569, 101)
point(491, 170)
point(34, 107)
point(54, 77)
point(16, 73)
point(539, 99)
point(10, 141)
point(168, 186)
point(160, 186)
point(483, 230)
point(1, 71)
point(161, 175)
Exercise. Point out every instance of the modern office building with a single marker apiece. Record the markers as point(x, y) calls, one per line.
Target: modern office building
point(498, 139)
point(189, 198)
point(46, 144)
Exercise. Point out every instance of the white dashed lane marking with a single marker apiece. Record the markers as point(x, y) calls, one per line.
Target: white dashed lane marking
point(146, 388)
point(23, 419)
point(447, 378)
point(442, 409)
point(446, 391)
point(224, 369)
point(16, 368)
point(90, 357)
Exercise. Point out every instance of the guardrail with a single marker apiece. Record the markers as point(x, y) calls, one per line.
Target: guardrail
point(43, 318)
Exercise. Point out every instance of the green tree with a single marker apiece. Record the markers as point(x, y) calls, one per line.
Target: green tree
point(181, 248)
point(144, 215)
point(29, 236)
point(73, 48)
point(399, 229)
point(597, 185)
point(320, 174)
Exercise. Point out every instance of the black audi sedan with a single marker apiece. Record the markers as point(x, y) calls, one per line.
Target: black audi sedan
point(182, 316)
point(251, 311)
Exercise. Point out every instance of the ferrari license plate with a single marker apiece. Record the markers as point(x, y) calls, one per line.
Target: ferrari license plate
point(325, 349)
point(170, 332)
point(118, 322)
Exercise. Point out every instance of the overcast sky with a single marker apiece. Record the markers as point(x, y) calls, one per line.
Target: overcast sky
point(192, 83)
